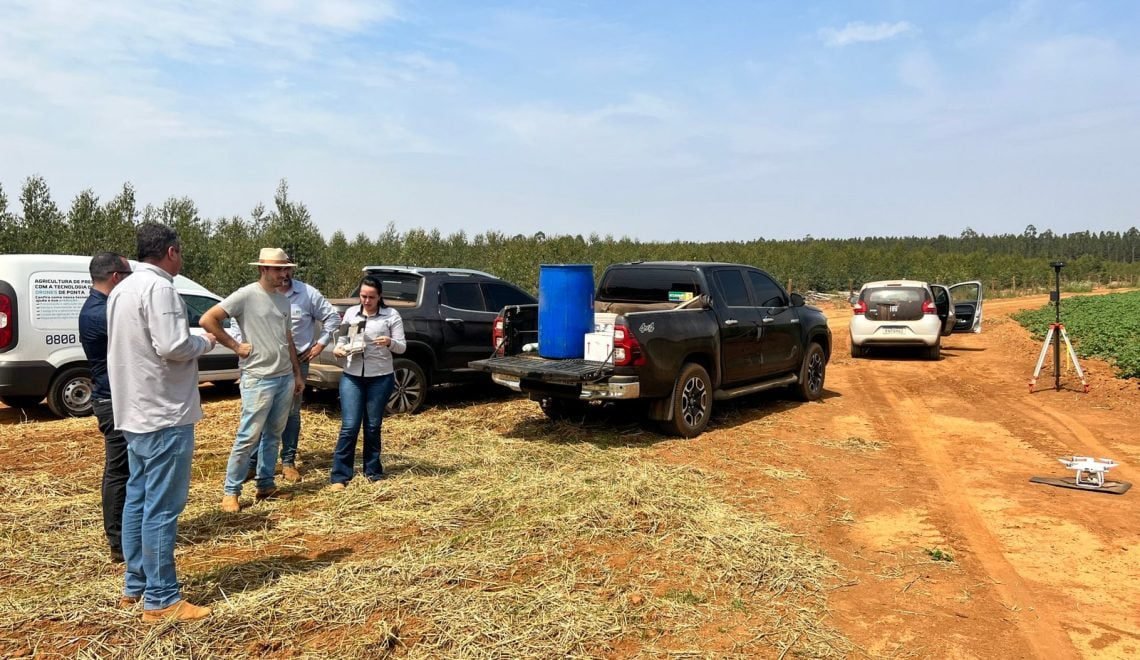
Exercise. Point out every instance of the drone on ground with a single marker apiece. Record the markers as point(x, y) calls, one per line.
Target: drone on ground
point(1089, 471)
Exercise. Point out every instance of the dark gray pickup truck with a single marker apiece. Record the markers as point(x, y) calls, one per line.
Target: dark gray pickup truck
point(684, 334)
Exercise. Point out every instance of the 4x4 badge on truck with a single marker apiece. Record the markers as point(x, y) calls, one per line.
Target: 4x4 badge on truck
point(646, 327)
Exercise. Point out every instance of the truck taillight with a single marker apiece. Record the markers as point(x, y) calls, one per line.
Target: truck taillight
point(929, 308)
point(498, 334)
point(859, 308)
point(627, 350)
point(5, 321)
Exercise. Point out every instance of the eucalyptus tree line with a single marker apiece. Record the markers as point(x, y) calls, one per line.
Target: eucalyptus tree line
point(218, 250)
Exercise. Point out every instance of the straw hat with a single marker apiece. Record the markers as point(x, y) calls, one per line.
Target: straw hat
point(272, 257)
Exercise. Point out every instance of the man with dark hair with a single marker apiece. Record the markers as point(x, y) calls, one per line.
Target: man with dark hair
point(270, 374)
point(314, 322)
point(152, 360)
point(107, 270)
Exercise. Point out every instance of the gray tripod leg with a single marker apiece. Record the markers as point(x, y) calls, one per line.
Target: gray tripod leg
point(1041, 359)
point(1073, 357)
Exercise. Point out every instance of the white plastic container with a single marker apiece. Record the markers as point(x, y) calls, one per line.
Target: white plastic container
point(599, 346)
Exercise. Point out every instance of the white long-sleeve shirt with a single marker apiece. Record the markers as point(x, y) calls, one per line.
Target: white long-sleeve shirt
point(375, 360)
point(152, 359)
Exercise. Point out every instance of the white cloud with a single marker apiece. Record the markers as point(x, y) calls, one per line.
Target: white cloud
point(859, 32)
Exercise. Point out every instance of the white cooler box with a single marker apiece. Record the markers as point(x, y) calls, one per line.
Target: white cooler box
point(599, 345)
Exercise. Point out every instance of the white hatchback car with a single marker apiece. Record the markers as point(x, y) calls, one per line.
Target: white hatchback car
point(913, 313)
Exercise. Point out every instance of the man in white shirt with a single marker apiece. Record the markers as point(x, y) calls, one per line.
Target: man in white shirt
point(152, 363)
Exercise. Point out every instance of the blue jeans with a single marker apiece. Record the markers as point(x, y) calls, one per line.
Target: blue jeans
point(291, 436)
point(362, 400)
point(156, 494)
point(264, 408)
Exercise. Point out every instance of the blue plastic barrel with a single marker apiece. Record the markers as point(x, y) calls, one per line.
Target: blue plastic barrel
point(565, 309)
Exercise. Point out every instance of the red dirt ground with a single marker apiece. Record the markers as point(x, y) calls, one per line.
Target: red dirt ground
point(1037, 571)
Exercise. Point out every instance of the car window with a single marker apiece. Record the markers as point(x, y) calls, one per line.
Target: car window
point(648, 285)
point(196, 306)
point(965, 293)
point(463, 295)
point(767, 292)
point(397, 286)
point(499, 296)
point(731, 285)
point(894, 295)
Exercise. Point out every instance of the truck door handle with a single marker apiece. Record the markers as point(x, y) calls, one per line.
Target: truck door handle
point(767, 319)
point(730, 321)
point(454, 321)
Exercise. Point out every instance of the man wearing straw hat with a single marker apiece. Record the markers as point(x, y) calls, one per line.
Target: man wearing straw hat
point(314, 322)
point(270, 373)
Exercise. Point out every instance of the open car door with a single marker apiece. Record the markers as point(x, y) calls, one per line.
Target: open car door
point(943, 304)
point(967, 303)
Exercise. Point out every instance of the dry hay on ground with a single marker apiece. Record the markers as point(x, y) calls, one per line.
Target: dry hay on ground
point(497, 535)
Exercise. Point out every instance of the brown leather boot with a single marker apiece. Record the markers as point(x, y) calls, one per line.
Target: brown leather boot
point(290, 473)
point(230, 504)
point(180, 611)
point(128, 602)
point(273, 494)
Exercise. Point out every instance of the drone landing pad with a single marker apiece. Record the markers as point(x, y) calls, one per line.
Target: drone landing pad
point(1114, 487)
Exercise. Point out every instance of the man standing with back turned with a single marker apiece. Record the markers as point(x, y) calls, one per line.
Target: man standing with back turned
point(152, 360)
point(309, 312)
point(107, 270)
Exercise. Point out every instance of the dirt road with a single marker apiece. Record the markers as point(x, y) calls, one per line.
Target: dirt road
point(906, 457)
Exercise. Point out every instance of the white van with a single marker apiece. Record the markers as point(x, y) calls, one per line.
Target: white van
point(40, 353)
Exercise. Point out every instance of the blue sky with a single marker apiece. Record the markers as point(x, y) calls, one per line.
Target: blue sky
point(655, 120)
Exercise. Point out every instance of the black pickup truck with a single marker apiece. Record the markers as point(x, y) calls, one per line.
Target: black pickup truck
point(448, 314)
point(684, 334)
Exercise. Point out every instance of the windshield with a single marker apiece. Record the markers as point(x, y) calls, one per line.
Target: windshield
point(649, 285)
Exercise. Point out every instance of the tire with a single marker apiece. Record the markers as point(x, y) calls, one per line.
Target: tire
point(70, 393)
point(410, 389)
point(691, 402)
point(935, 352)
point(21, 401)
point(226, 386)
point(558, 409)
point(813, 371)
point(857, 351)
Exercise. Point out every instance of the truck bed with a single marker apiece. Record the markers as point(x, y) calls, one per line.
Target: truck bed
point(534, 367)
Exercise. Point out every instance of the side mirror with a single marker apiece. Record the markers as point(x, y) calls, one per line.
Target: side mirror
point(797, 300)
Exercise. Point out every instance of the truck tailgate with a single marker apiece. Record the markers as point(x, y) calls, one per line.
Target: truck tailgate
point(538, 368)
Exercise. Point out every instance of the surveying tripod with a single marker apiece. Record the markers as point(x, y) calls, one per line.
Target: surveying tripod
point(1055, 335)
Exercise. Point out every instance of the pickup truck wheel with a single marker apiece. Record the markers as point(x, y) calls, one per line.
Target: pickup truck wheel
point(21, 401)
point(410, 388)
point(691, 402)
point(558, 409)
point(812, 372)
point(70, 393)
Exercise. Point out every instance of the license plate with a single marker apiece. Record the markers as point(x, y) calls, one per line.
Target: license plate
point(893, 331)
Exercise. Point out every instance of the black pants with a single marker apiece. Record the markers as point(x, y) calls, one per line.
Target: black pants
point(115, 473)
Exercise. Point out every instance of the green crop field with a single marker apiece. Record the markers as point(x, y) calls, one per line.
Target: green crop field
point(1106, 327)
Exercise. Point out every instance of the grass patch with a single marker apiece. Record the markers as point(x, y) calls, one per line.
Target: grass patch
point(1105, 327)
point(497, 535)
point(852, 443)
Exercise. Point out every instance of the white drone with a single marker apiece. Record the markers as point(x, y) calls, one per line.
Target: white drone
point(1090, 471)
